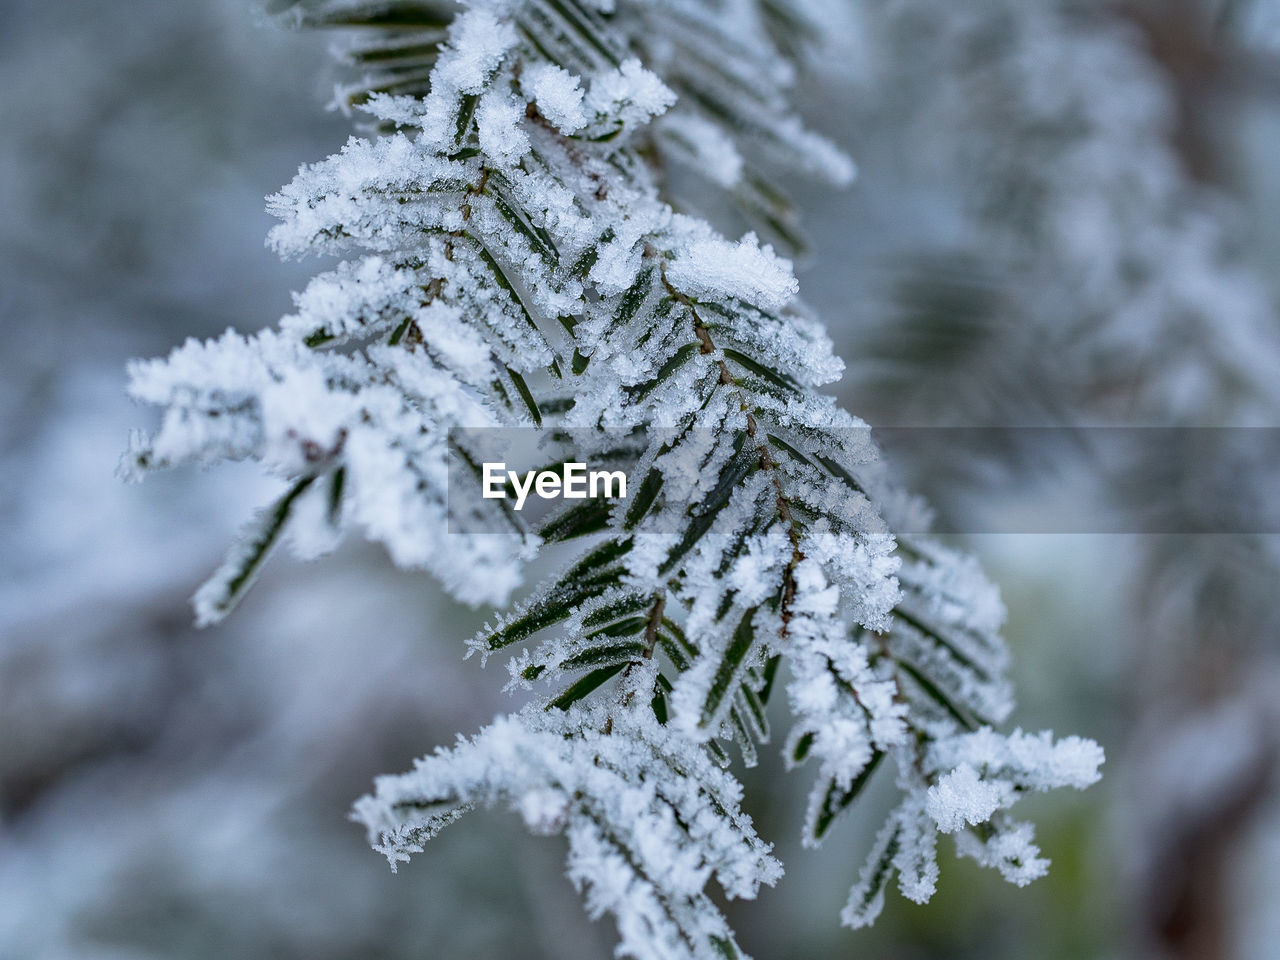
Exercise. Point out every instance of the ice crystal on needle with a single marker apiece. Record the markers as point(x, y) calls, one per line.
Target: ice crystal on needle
point(514, 258)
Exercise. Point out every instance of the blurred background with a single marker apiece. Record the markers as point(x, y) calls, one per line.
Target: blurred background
point(1068, 213)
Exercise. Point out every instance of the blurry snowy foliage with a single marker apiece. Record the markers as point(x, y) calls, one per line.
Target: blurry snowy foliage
point(1085, 275)
point(516, 256)
point(1079, 256)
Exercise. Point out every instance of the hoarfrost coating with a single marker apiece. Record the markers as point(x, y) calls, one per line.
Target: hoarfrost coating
point(514, 258)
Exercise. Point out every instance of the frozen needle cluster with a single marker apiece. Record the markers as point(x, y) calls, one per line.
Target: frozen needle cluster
point(513, 258)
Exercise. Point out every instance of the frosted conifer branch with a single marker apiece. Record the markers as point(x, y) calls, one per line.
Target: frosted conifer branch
point(514, 258)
